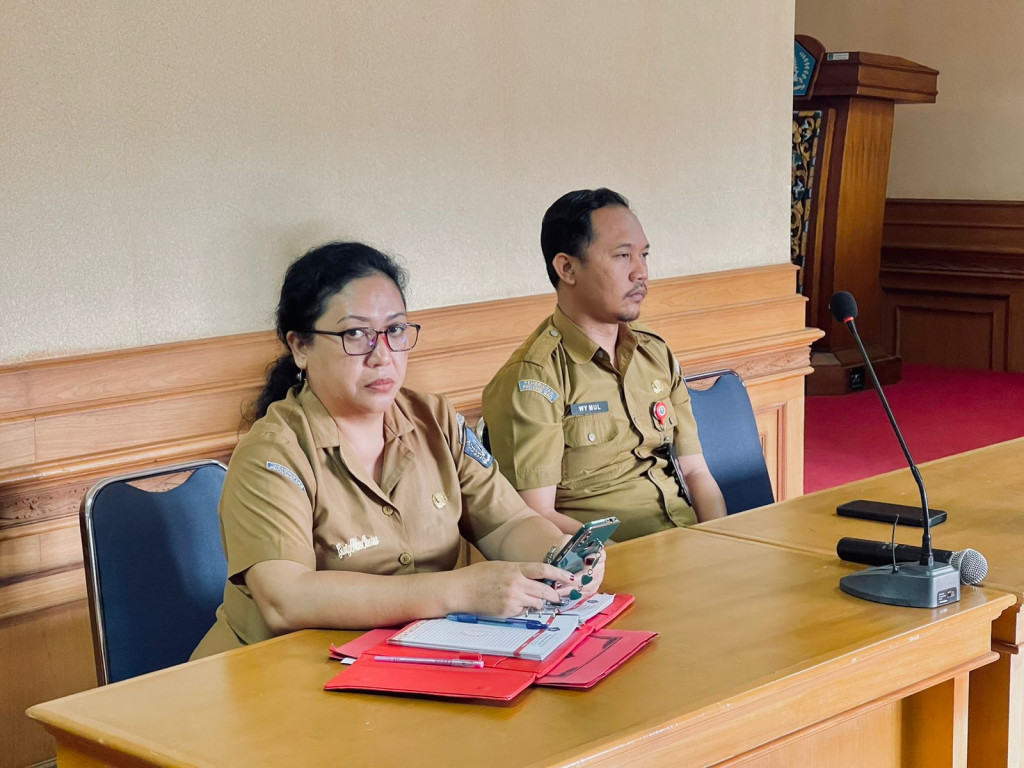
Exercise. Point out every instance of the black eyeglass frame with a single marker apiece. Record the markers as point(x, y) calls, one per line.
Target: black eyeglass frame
point(376, 336)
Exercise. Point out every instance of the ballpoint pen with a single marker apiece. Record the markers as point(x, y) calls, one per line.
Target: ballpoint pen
point(476, 663)
point(472, 618)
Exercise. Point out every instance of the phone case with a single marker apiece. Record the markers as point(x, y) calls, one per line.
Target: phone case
point(584, 543)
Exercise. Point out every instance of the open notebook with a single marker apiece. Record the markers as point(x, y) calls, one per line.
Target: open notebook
point(492, 639)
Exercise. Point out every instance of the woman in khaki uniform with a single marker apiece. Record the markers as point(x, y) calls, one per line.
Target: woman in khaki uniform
point(347, 481)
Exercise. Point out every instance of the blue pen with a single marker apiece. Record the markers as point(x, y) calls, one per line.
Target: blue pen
point(472, 618)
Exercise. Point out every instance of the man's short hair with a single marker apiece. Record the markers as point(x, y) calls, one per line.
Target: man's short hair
point(566, 227)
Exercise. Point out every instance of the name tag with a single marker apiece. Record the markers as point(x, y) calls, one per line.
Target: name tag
point(580, 409)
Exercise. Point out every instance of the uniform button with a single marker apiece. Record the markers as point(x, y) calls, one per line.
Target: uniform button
point(553, 332)
point(405, 558)
point(389, 511)
point(591, 437)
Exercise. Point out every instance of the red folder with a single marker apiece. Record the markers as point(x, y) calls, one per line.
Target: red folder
point(600, 654)
point(502, 678)
point(580, 663)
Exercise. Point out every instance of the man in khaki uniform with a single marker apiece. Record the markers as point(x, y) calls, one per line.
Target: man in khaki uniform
point(584, 417)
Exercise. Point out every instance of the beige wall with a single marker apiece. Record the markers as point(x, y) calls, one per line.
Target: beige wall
point(970, 143)
point(162, 162)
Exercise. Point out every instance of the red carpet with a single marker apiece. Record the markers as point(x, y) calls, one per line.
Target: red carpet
point(941, 411)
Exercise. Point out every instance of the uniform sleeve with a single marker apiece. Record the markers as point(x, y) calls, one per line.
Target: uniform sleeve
point(523, 408)
point(490, 506)
point(686, 441)
point(266, 507)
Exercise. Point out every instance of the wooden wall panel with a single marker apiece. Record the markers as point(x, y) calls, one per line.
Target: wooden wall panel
point(49, 653)
point(952, 274)
point(65, 423)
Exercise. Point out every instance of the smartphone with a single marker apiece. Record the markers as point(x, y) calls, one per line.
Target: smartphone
point(884, 512)
point(587, 541)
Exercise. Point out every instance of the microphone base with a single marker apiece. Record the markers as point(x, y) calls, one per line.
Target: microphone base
point(912, 585)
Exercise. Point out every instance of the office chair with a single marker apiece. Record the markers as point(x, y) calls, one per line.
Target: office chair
point(730, 440)
point(155, 567)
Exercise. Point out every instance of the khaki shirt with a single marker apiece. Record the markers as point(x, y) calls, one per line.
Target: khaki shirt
point(559, 414)
point(292, 492)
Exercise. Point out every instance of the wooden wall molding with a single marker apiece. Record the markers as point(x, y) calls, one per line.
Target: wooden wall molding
point(952, 275)
point(67, 422)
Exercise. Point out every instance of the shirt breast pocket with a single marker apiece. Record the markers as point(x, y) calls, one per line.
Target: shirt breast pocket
point(591, 450)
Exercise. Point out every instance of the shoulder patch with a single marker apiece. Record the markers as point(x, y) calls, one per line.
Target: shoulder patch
point(284, 472)
point(532, 385)
point(475, 449)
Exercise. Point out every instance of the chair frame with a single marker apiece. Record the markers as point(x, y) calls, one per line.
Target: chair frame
point(92, 577)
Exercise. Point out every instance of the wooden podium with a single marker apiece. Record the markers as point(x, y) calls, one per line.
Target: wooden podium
point(856, 95)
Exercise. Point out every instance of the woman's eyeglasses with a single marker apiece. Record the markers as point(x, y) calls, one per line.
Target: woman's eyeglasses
point(400, 337)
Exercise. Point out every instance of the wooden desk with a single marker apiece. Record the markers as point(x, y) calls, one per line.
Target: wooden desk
point(761, 661)
point(983, 492)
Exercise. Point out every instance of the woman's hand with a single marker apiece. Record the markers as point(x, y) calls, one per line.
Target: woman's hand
point(497, 588)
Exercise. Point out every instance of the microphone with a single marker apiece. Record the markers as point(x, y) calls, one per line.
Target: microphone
point(971, 564)
point(923, 584)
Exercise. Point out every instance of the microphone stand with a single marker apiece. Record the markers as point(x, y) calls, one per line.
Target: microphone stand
point(917, 585)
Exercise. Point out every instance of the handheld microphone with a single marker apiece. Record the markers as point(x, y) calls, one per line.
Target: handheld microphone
point(970, 563)
point(924, 584)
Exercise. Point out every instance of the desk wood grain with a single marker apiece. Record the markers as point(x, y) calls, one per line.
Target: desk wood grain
point(760, 659)
point(983, 492)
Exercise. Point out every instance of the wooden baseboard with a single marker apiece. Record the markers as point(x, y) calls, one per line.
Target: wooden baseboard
point(952, 275)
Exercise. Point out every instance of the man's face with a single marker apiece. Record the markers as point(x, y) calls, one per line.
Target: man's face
point(611, 278)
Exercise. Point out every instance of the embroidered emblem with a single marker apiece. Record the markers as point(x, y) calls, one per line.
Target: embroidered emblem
point(657, 386)
point(440, 500)
point(579, 409)
point(356, 545)
point(283, 471)
point(532, 385)
point(475, 449)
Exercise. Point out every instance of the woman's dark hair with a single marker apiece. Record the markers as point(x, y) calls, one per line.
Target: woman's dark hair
point(566, 226)
point(308, 285)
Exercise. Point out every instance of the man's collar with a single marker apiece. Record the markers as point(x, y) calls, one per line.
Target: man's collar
point(582, 348)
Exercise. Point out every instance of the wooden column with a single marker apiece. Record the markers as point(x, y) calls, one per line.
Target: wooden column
point(857, 94)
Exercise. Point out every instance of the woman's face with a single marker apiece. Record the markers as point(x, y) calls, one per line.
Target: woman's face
point(354, 385)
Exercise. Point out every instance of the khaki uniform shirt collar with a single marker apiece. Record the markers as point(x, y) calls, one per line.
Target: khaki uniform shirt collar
point(321, 424)
point(580, 347)
point(325, 430)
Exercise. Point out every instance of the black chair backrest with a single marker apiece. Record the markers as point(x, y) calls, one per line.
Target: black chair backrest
point(155, 568)
point(730, 440)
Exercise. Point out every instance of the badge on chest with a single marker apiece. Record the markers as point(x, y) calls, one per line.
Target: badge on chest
point(582, 409)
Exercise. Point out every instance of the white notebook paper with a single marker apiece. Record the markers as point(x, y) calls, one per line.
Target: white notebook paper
point(446, 635)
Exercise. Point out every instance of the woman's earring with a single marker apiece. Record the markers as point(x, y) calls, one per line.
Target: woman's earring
point(301, 375)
